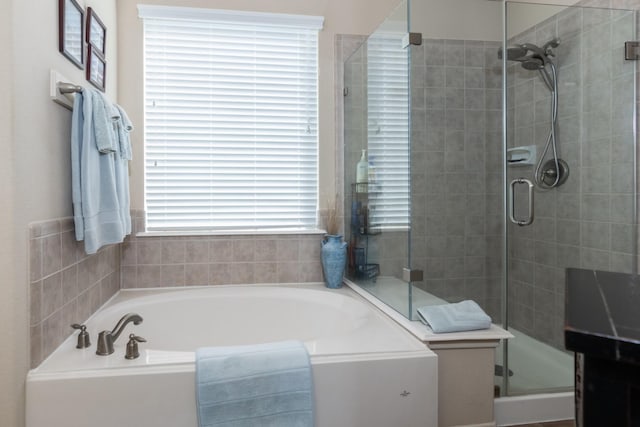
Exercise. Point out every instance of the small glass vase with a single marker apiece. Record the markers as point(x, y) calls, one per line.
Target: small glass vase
point(334, 258)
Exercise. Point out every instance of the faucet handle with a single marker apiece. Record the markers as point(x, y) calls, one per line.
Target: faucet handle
point(83, 337)
point(132, 346)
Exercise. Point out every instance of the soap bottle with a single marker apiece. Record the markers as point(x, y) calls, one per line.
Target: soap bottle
point(362, 169)
point(371, 172)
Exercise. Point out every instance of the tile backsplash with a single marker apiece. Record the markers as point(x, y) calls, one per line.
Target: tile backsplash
point(218, 260)
point(66, 285)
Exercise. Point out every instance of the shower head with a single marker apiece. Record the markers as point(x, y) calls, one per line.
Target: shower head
point(531, 63)
point(532, 57)
point(513, 53)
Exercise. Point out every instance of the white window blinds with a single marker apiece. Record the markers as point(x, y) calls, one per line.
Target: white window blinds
point(388, 129)
point(231, 120)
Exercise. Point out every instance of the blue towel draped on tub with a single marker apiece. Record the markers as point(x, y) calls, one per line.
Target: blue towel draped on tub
point(266, 385)
point(462, 316)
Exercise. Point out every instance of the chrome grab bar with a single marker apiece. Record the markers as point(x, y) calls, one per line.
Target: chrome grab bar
point(529, 219)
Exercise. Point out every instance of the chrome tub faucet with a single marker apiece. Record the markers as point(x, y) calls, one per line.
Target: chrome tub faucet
point(107, 338)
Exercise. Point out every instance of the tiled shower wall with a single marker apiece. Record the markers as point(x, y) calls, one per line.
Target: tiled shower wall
point(66, 285)
point(456, 115)
point(455, 183)
point(588, 221)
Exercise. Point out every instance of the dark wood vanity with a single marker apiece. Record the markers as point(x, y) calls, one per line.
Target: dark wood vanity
point(602, 326)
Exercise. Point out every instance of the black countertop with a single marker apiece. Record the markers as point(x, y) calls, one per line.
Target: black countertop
point(602, 314)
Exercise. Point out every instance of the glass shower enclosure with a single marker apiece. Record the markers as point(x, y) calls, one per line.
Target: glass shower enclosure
point(376, 123)
point(500, 150)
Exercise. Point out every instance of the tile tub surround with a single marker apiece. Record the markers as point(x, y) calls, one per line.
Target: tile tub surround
point(218, 260)
point(66, 285)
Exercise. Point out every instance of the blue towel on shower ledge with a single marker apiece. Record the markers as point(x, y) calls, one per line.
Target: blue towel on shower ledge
point(266, 385)
point(462, 316)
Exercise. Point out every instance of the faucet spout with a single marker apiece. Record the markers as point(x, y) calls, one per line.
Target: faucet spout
point(124, 321)
point(107, 338)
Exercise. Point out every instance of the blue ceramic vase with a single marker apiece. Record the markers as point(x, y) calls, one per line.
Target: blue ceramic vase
point(334, 258)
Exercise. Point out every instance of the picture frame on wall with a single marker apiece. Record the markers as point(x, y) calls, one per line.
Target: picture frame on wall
point(71, 31)
point(96, 32)
point(96, 68)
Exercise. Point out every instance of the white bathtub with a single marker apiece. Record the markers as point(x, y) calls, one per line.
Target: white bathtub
point(367, 370)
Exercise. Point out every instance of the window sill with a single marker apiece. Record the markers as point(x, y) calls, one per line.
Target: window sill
point(195, 233)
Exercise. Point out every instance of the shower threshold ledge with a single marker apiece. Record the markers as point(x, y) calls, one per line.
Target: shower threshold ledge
point(465, 359)
point(415, 327)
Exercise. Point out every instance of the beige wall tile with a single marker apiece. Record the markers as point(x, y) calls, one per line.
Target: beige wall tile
point(74, 286)
point(51, 294)
point(36, 345)
point(196, 274)
point(149, 276)
point(51, 332)
point(287, 250)
point(51, 254)
point(242, 272)
point(265, 250)
point(35, 297)
point(129, 255)
point(172, 275)
point(173, 251)
point(288, 272)
point(35, 259)
point(197, 251)
point(310, 271)
point(220, 274)
point(266, 272)
point(244, 250)
point(128, 276)
point(220, 250)
point(149, 251)
point(68, 240)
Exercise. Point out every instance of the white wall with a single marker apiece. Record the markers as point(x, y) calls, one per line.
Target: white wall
point(477, 19)
point(341, 17)
point(9, 379)
point(457, 19)
point(34, 165)
point(521, 17)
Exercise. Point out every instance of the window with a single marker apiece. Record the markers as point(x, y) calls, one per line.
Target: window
point(388, 129)
point(231, 119)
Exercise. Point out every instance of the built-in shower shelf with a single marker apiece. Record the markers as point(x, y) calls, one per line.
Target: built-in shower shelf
point(521, 156)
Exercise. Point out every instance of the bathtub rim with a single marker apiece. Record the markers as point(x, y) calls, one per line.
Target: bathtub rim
point(181, 360)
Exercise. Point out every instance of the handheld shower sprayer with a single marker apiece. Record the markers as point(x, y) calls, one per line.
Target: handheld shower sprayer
point(554, 172)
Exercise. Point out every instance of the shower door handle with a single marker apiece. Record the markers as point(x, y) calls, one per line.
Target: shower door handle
point(529, 219)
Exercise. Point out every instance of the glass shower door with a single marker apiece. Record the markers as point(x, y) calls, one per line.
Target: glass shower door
point(376, 155)
point(570, 173)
